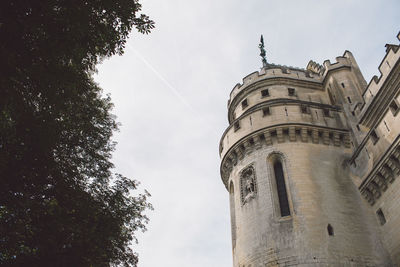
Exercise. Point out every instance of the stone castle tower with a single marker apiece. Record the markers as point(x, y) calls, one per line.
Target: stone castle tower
point(311, 160)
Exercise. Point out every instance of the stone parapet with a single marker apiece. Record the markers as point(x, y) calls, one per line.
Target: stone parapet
point(379, 89)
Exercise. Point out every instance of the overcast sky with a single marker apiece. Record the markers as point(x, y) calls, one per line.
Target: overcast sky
point(171, 87)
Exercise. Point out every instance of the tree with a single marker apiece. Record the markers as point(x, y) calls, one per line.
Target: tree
point(60, 203)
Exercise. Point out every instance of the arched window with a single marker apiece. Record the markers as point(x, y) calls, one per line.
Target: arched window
point(233, 217)
point(281, 189)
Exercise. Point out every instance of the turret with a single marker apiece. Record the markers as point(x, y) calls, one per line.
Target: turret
point(284, 163)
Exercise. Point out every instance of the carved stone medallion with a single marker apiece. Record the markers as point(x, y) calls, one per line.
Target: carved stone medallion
point(248, 184)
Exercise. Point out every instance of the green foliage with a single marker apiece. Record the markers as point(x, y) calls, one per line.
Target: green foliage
point(60, 205)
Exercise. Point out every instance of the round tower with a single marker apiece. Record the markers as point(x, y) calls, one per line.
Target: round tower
point(284, 165)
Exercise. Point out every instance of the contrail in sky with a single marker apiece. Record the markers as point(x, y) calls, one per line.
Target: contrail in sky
point(174, 91)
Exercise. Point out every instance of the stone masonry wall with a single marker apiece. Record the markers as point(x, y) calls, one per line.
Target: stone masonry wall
point(338, 140)
point(320, 194)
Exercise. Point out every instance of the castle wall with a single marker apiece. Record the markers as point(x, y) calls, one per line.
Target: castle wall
point(375, 164)
point(280, 113)
point(346, 85)
point(339, 143)
point(302, 92)
point(320, 194)
point(389, 204)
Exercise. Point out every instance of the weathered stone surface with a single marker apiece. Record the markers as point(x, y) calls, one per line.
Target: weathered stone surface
point(338, 142)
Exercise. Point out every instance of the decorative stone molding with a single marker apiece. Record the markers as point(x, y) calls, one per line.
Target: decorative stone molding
point(384, 89)
point(292, 134)
point(248, 184)
point(239, 153)
point(248, 146)
point(325, 137)
point(381, 177)
point(268, 139)
point(257, 142)
point(315, 136)
point(336, 139)
point(304, 135)
point(278, 135)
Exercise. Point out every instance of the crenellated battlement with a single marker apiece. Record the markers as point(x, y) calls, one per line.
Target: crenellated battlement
point(312, 77)
point(379, 90)
point(312, 157)
point(341, 61)
point(315, 67)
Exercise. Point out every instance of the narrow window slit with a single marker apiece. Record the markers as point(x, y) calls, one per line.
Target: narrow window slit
point(330, 230)
point(387, 127)
point(244, 104)
point(381, 216)
point(236, 126)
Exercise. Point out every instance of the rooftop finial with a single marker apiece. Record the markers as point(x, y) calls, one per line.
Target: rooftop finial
point(262, 50)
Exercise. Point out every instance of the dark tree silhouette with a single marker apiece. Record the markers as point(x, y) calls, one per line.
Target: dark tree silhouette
point(60, 203)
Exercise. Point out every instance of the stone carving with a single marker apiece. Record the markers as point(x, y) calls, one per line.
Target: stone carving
point(248, 184)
